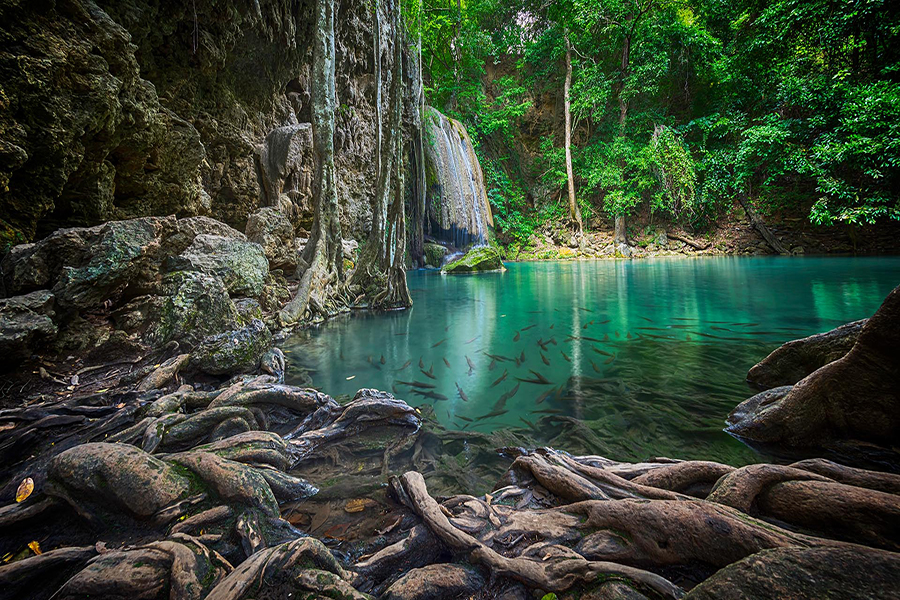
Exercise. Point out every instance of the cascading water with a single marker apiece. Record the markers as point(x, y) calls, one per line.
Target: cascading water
point(457, 211)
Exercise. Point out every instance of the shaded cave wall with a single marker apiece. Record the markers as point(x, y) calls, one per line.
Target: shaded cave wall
point(113, 109)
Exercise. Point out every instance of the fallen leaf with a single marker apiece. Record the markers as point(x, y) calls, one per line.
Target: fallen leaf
point(25, 489)
point(35, 547)
point(120, 405)
point(358, 505)
point(7, 426)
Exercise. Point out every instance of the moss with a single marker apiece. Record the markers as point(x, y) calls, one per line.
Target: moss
point(482, 258)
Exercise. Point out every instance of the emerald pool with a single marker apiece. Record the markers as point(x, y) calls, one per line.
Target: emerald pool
point(629, 359)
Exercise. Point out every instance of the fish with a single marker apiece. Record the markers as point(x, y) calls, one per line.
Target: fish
point(565, 356)
point(439, 343)
point(609, 360)
point(571, 338)
point(430, 395)
point(403, 333)
point(585, 309)
point(585, 326)
point(552, 325)
point(522, 356)
point(493, 413)
point(645, 318)
point(502, 401)
point(549, 411)
point(542, 344)
point(540, 399)
point(447, 363)
point(447, 328)
point(502, 377)
point(529, 327)
point(382, 359)
point(516, 337)
point(466, 419)
point(418, 384)
point(628, 335)
point(529, 423)
point(595, 367)
point(471, 365)
point(473, 339)
point(462, 394)
point(687, 336)
point(421, 363)
point(605, 337)
point(590, 339)
point(603, 352)
point(498, 357)
point(492, 366)
point(545, 359)
point(617, 334)
point(537, 380)
point(405, 365)
point(603, 322)
point(341, 355)
point(429, 372)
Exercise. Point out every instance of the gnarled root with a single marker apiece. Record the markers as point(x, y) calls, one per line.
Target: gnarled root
point(553, 568)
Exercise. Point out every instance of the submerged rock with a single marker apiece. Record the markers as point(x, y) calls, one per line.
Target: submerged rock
point(233, 352)
point(481, 258)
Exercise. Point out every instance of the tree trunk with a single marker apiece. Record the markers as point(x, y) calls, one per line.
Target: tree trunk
point(574, 212)
point(381, 271)
point(760, 226)
point(321, 280)
point(417, 212)
point(620, 237)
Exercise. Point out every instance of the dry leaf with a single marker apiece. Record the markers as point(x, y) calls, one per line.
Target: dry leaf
point(25, 489)
point(358, 505)
point(120, 405)
point(35, 547)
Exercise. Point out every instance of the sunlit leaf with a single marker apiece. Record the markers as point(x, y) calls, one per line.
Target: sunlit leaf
point(25, 489)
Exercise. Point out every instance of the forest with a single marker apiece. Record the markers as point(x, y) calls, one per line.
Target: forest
point(449, 300)
point(672, 109)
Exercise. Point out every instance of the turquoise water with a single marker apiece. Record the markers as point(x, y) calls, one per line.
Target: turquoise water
point(631, 359)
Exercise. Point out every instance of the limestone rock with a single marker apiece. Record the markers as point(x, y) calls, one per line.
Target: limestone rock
point(25, 322)
point(190, 227)
point(233, 352)
point(194, 305)
point(796, 359)
point(434, 254)
point(88, 139)
point(287, 166)
point(269, 228)
point(481, 258)
point(242, 266)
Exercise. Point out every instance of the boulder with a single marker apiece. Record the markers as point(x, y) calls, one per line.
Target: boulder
point(481, 258)
point(242, 266)
point(272, 230)
point(190, 227)
point(434, 254)
point(233, 352)
point(25, 322)
point(806, 573)
point(796, 359)
point(193, 306)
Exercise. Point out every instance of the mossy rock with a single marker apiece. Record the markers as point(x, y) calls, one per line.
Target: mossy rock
point(482, 258)
point(434, 255)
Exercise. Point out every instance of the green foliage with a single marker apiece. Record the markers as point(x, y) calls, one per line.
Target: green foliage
point(793, 104)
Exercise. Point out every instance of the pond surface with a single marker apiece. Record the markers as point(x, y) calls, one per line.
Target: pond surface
point(628, 359)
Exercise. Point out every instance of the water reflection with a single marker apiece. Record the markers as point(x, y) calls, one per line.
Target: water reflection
point(627, 359)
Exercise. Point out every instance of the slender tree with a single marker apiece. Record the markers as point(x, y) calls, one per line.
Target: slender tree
point(321, 270)
point(574, 212)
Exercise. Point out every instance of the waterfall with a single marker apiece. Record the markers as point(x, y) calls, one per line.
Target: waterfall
point(457, 210)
